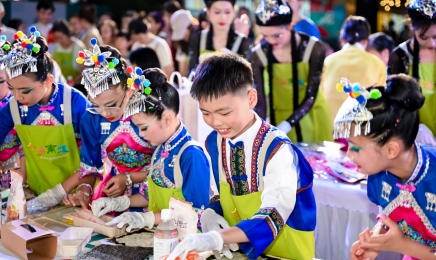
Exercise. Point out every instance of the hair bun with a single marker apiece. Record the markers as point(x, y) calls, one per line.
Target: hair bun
point(405, 91)
point(156, 77)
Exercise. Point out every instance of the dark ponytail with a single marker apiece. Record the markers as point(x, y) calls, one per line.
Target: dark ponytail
point(396, 112)
point(355, 29)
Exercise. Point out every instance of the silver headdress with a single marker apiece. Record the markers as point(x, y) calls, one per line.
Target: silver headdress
point(353, 110)
point(5, 47)
point(21, 54)
point(273, 13)
point(138, 102)
point(95, 78)
point(422, 10)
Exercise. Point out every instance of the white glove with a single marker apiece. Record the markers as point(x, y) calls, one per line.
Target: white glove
point(211, 221)
point(104, 205)
point(285, 127)
point(425, 136)
point(134, 220)
point(50, 198)
point(210, 241)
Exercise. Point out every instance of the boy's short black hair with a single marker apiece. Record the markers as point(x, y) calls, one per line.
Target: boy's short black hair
point(46, 5)
point(221, 74)
point(145, 58)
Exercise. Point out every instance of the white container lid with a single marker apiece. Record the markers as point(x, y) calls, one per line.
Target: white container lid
point(166, 214)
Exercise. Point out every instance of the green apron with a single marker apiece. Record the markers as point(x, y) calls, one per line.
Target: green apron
point(65, 61)
point(427, 74)
point(315, 125)
point(159, 197)
point(51, 152)
point(290, 243)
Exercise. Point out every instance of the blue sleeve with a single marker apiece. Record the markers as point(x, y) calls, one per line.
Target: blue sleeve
point(90, 151)
point(308, 27)
point(6, 121)
point(196, 178)
point(371, 189)
point(78, 108)
point(212, 150)
point(259, 233)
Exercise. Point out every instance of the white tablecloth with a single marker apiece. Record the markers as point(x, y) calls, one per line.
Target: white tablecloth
point(343, 211)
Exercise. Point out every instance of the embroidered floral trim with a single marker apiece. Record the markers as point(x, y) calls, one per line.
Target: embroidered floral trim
point(410, 232)
point(12, 159)
point(123, 128)
point(5, 100)
point(159, 178)
point(239, 176)
point(9, 142)
point(257, 145)
point(86, 170)
point(418, 164)
point(224, 162)
point(276, 149)
point(215, 198)
point(167, 144)
point(143, 189)
point(41, 120)
point(199, 213)
point(128, 157)
point(273, 218)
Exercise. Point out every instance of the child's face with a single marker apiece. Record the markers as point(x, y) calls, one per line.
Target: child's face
point(110, 103)
point(155, 131)
point(27, 91)
point(365, 153)
point(229, 114)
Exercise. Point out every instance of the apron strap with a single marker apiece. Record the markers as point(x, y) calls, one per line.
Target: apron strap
point(403, 46)
point(178, 177)
point(203, 40)
point(262, 154)
point(237, 43)
point(13, 106)
point(67, 105)
point(260, 54)
point(309, 48)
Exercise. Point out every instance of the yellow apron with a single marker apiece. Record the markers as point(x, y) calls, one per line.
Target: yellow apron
point(290, 243)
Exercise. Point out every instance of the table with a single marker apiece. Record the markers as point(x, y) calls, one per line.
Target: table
point(343, 211)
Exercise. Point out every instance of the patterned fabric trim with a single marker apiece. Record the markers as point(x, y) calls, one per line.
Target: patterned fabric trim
point(257, 145)
point(215, 198)
point(86, 170)
point(410, 232)
point(273, 218)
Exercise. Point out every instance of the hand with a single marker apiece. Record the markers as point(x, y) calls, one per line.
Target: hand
point(358, 252)
point(211, 221)
point(425, 136)
point(210, 241)
point(81, 197)
point(393, 240)
point(242, 25)
point(133, 220)
point(104, 205)
point(48, 199)
point(116, 186)
point(285, 127)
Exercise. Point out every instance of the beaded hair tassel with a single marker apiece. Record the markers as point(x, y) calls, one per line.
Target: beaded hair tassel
point(138, 102)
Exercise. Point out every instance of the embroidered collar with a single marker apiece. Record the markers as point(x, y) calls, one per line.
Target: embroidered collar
point(249, 134)
point(176, 138)
point(53, 97)
point(5, 100)
point(357, 44)
point(421, 167)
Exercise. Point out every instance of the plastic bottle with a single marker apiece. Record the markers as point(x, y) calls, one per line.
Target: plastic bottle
point(166, 236)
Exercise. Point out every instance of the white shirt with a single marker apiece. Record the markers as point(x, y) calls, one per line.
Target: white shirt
point(8, 32)
point(357, 44)
point(280, 180)
point(162, 49)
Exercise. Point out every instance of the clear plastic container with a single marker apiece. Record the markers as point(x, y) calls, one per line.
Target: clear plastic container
point(72, 241)
point(166, 236)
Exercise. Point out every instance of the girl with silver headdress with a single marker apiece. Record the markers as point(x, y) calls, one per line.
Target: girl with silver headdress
point(417, 58)
point(287, 70)
point(10, 149)
point(381, 124)
point(109, 90)
point(46, 116)
point(222, 35)
point(179, 168)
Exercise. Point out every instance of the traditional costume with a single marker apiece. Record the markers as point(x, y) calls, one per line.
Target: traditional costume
point(411, 204)
point(402, 57)
point(302, 106)
point(126, 150)
point(202, 42)
point(49, 132)
point(179, 166)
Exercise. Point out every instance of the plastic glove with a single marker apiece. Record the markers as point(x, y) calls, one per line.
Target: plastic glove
point(210, 241)
point(425, 136)
point(104, 205)
point(242, 25)
point(285, 127)
point(134, 220)
point(48, 199)
point(211, 221)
